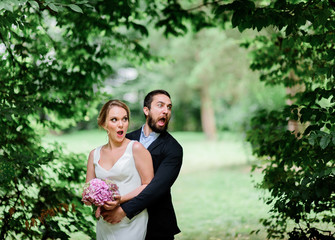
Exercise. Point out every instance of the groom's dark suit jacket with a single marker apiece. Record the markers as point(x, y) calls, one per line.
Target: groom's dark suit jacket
point(167, 156)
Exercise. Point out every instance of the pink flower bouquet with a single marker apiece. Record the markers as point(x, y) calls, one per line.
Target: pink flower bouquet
point(98, 191)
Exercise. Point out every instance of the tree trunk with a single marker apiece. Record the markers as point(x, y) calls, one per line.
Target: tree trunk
point(207, 113)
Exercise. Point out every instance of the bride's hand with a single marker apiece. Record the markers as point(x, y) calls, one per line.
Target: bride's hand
point(98, 212)
point(110, 205)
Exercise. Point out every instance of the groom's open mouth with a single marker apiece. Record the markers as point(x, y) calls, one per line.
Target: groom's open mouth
point(161, 122)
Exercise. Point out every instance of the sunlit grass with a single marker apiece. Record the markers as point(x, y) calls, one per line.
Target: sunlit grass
point(214, 195)
point(200, 154)
point(218, 203)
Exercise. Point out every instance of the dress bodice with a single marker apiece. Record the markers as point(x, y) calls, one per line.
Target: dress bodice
point(123, 173)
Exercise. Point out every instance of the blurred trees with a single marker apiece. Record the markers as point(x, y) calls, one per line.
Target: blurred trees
point(207, 74)
point(233, 92)
point(212, 79)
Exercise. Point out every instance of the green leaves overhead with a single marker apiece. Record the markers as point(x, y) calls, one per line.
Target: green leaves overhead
point(75, 8)
point(56, 6)
point(173, 20)
point(34, 4)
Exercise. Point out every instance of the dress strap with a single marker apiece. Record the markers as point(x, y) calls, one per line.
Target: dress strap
point(96, 155)
point(130, 147)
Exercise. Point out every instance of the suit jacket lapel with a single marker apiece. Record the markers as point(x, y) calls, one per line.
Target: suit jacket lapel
point(137, 134)
point(157, 142)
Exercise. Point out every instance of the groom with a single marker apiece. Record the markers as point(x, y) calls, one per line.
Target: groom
point(167, 157)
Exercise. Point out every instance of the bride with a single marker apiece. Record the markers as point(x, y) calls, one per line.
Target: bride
point(128, 164)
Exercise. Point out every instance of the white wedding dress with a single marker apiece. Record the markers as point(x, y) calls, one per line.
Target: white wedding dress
point(125, 175)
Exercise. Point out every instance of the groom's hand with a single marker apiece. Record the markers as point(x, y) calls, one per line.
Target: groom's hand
point(113, 216)
point(110, 205)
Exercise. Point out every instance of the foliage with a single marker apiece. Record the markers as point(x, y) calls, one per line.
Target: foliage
point(54, 58)
point(296, 53)
point(298, 166)
point(52, 64)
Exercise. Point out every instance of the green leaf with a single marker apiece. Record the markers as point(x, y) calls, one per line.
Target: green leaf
point(76, 8)
point(305, 181)
point(280, 4)
point(325, 140)
point(34, 4)
point(330, 54)
point(141, 28)
point(311, 140)
point(220, 10)
point(53, 7)
point(6, 6)
point(236, 19)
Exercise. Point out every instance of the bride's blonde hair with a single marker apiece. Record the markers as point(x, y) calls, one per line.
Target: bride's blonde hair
point(105, 109)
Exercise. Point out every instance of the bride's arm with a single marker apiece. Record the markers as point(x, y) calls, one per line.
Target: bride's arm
point(90, 174)
point(144, 167)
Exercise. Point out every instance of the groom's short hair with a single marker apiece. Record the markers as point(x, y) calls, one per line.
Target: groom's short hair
point(149, 97)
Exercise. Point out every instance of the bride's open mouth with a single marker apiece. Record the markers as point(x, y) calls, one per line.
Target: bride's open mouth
point(120, 133)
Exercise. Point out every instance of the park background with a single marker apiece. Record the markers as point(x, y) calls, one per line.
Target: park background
point(256, 127)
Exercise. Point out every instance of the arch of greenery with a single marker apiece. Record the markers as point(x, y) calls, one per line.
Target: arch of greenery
point(53, 56)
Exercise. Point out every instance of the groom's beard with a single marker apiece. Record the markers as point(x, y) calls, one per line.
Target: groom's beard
point(154, 126)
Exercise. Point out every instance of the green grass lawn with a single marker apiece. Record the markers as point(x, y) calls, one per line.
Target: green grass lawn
point(214, 195)
point(218, 203)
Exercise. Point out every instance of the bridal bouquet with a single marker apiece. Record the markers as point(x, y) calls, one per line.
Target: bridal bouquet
point(98, 191)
